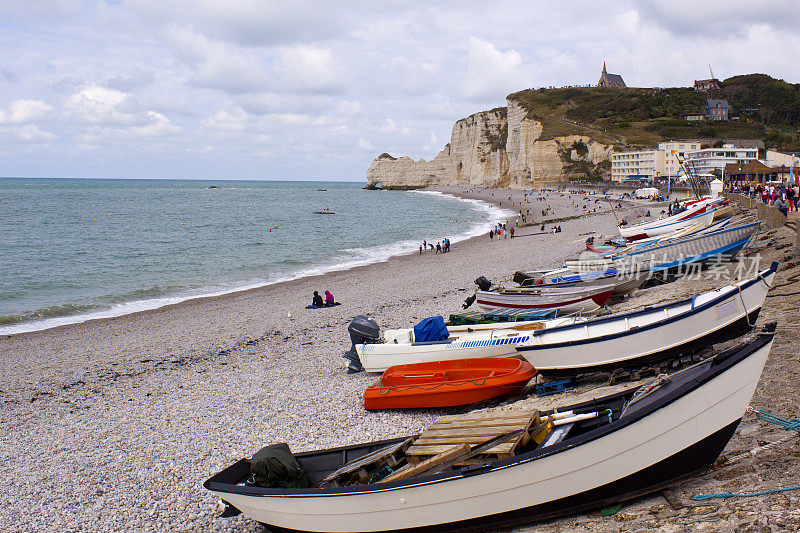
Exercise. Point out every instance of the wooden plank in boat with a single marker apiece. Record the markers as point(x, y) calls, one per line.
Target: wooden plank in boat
point(440, 458)
point(473, 428)
point(468, 431)
point(486, 415)
point(361, 468)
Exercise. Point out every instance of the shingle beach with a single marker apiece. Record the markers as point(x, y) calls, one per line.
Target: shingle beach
point(114, 424)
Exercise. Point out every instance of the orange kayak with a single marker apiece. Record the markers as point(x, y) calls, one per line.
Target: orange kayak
point(448, 383)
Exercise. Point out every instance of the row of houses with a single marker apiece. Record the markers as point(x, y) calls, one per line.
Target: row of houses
point(663, 162)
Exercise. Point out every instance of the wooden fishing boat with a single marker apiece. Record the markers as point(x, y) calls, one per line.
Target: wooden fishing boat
point(399, 347)
point(652, 334)
point(696, 248)
point(669, 224)
point(448, 383)
point(622, 284)
point(617, 448)
point(565, 299)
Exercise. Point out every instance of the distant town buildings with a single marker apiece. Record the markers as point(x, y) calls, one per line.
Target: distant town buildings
point(636, 165)
point(717, 109)
point(707, 160)
point(610, 80)
point(663, 161)
point(706, 85)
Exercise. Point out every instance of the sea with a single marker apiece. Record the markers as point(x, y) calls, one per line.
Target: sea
point(72, 250)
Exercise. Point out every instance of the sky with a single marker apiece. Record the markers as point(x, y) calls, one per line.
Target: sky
point(315, 90)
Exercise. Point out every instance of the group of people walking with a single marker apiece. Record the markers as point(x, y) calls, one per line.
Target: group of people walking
point(441, 247)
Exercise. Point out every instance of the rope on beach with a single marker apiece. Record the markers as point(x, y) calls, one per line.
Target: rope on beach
point(741, 495)
point(789, 425)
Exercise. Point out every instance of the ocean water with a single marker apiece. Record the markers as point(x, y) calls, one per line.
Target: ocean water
point(77, 249)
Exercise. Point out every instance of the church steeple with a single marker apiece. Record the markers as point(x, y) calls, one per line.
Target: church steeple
point(604, 67)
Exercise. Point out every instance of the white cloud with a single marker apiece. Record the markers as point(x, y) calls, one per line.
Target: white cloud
point(157, 126)
point(231, 120)
point(308, 69)
point(24, 111)
point(27, 133)
point(491, 72)
point(100, 105)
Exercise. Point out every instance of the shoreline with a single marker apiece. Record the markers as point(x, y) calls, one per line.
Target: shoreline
point(143, 306)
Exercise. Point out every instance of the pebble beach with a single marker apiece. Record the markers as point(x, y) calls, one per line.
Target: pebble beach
point(114, 424)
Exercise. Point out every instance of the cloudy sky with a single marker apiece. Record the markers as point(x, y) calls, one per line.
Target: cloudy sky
point(303, 89)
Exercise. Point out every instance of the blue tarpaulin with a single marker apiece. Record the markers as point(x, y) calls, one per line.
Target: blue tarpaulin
point(431, 329)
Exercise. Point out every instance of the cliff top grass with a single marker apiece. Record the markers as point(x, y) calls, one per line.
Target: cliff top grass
point(763, 108)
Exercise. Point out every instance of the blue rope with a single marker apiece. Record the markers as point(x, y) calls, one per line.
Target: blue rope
point(736, 495)
point(789, 425)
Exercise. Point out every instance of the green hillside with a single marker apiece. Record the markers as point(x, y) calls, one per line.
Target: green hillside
point(763, 108)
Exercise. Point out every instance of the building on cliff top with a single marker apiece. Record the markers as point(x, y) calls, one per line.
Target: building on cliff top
point(610, 80)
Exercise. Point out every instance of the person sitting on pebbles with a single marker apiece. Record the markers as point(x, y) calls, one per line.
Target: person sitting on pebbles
point(329, 302)
point(317, 300)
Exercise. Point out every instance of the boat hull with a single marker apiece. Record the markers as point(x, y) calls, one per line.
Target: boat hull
point(664, 438)
point(585, 300)
point(651, 335)
point(495, 340)
point(446, 384)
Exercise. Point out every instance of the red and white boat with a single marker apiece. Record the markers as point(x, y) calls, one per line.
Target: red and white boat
point(448, 383)
point(700, 211)
point(565, 299)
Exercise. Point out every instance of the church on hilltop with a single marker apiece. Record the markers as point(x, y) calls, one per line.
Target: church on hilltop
point(610, 80)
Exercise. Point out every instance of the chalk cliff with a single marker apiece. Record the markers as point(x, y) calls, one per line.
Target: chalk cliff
point(498, 148)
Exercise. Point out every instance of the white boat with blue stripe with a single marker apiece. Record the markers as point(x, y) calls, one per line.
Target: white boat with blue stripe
point(398, 346)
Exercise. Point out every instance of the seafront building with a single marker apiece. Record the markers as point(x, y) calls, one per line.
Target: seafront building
point(707, 160)
point(663, 162)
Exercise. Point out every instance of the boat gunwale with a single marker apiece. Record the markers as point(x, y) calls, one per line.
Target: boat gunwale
point(648, 310)
point(706, 370)
point(689, 239)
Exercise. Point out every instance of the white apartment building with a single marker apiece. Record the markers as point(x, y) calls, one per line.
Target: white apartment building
point(671, 166)
point(708, 159)
point(644, 164)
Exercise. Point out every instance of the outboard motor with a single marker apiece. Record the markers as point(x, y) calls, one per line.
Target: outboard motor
point(362, 330)
point(483, 283)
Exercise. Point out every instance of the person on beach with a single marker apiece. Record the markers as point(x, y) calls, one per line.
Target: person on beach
point(491, 234)
point(438, 247)
point(316, 301)
point(329, 299)
point(780, 204)
point(512, 232)
point(420, 249)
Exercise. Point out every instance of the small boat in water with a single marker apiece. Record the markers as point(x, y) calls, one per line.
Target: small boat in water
point(324, 212)
point(613, 449)
point(448, 383)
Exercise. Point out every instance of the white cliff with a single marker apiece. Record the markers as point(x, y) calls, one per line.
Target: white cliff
point(497, 148)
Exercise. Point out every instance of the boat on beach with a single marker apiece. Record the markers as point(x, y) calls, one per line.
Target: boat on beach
point(697, 248)
point(594, 454)
point(565, 299)
point(622, 284)
point(376, 352)
point(448, 383)
point(650, 335)
point(653, 228)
